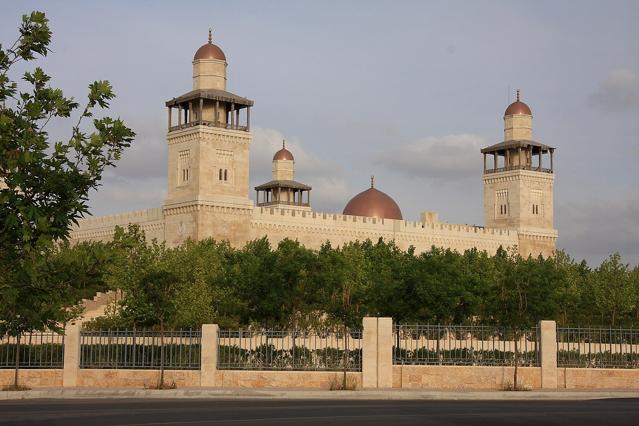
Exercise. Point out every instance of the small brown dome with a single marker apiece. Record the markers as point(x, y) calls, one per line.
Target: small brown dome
point(373, 203)
point(209, 51)
point(517, 107)
point(283, 154)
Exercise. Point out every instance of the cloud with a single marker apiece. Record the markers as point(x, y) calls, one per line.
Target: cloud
point(619, 91)
point(451, 157)
point(595, 228)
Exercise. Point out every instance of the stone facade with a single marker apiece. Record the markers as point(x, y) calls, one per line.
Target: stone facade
point(208, 193)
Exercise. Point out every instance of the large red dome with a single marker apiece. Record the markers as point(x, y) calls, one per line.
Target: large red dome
point(373, 203)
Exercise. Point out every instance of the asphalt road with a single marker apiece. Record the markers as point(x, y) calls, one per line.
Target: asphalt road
point(307, 412)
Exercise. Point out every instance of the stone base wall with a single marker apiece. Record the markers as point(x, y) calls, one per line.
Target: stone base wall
point(33, 378)
point(463, 378)
point(283, 379)
point(97, 378)
point(597, 378)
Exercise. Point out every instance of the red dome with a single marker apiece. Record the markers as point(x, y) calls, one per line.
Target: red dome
point(517, 107)
point(209, 51)
point(373, 203)
point(283, 154)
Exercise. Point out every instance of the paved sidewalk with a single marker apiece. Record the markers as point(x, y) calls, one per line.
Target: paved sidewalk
point(245, 393)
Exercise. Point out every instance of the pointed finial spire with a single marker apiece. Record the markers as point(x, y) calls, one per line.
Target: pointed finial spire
point(517, 95)
point(283, 143)
point(210, 35)
point(372, 181)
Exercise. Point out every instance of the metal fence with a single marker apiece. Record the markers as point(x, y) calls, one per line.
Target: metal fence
point(289, 350)
point(597, 347)
point(140, 349)
point(463, 345)
point(36, 350)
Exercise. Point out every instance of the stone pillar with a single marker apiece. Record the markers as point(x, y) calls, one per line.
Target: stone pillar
point(71, 355)
point(377, 353)
point(208, 366)
point(384, 352)
point(248, 118)
point(369, 353)
point(548, 354)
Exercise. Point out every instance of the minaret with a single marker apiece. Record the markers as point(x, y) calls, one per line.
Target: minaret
point(283, 192)
point(518, 183)
point(208, 165)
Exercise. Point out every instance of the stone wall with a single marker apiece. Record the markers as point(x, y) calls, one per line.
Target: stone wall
point(597, 378)
point(283, 379)
point(97, 378)
point(463, 377)
point(33, 378)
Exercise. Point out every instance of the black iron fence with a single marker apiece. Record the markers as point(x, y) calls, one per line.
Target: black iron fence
point(597, 347)
point(290, 350)
point(140, 349)
point(36, 350)
point(464, 345)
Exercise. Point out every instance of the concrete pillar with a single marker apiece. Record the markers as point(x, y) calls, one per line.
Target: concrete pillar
point(170, 109)
point(369, 353)
point(548, 354)
point(248, 118)
point(71, 355)
point(208, 366)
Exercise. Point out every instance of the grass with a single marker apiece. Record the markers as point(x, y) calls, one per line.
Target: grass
point(337, 383)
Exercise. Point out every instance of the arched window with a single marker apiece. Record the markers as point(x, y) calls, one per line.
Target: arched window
point(225, 175)
point(220, 176)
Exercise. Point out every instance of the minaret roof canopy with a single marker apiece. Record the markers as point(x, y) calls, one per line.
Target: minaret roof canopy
point(283, 184)
point(213, 94)
point(501, 146)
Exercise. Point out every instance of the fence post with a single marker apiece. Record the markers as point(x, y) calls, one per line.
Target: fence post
point(384, 352)
point(208, 355)
point(71, 355)
point(369, 352)
point(548, 354)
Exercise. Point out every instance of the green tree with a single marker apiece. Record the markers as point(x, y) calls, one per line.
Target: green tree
point(45, 184)
point(612, 289)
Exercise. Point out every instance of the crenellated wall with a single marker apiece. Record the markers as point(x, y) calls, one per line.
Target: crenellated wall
point(313, 229)
point(102, 228)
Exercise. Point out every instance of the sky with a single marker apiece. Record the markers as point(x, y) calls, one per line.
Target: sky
point(406, 91)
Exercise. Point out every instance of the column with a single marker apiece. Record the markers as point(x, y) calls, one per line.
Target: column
point(369, 353)
point(248, 118)
point(232, 115)
point(71, 355)
point(484, 162)
point(170, 111)
point(217, 107)
point(552, 166)
point(385, 353)
point(189, 117)
point(548, 354)
point(495, 160)
point(208, 366)
point(179, 115)
point(201, 112)
point(237, 117)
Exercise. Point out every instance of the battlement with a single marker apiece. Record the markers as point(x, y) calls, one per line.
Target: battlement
point(138, 216)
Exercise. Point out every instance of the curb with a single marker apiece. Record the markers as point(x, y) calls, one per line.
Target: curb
point(240, 393)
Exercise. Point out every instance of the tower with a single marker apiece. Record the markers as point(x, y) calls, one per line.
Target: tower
point(518, 184)
point(283, 191)
point(208, 156)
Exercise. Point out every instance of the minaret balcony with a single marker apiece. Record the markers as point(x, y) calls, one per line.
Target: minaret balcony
point(209, 124)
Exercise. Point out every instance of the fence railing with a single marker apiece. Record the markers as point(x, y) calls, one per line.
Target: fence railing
point(140, 349)
point(463, 345)
point(36, 350)
point(289, 350)
point(597, 347)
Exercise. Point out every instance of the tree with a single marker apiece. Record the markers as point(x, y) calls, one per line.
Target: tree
point(524, 293)
point(612, 289)
point(45, 184)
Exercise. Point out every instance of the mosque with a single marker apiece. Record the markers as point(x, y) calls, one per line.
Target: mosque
point(209, 137)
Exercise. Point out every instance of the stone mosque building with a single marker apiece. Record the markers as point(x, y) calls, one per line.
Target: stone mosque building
point(209, 137)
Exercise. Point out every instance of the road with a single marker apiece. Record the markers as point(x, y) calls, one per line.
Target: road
point(97, 412)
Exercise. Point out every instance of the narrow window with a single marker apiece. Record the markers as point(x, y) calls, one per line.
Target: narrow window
point(220, 176)
point(225, 175)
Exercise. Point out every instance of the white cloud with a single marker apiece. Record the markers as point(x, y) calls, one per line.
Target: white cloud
point(619, 91)
point(451, 157)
